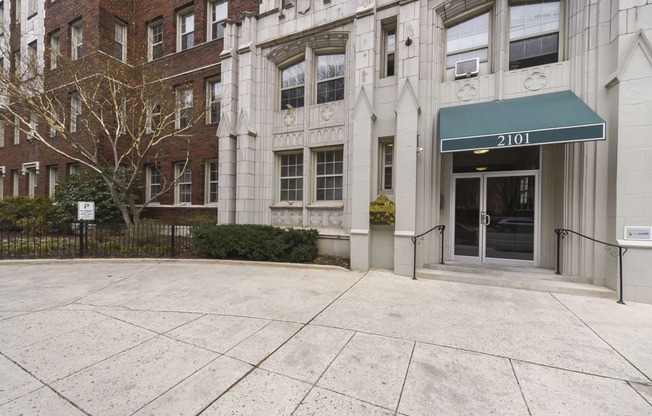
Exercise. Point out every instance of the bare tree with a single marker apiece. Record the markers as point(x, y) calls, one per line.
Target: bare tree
point(109, 116)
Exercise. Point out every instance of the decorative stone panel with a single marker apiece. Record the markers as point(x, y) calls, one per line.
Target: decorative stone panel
point(468, 90)
point(289, 120)
point(327, 115)
point(287, 217)
point(539, 79)
point(326, 137)
point(325, 218)
point(288, 141)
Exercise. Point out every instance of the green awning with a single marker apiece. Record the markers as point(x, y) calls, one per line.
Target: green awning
point(558, 117)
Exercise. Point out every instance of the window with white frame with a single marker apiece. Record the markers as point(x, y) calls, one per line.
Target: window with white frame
point(2, 134)
point(153, 116)
point(15, 175)
point(55, 50)
point(33, 126)
point(293, 80)
point(2, 183)
point(291, 176)
point(53, 179)
point(77, 40)
point(218, 12)
point(386, 165)
point(154, 179)
point(533, 33)
point(468, 39)
point(32, 182)
point(183, 189)
point(32, 56)
point(17, 129)
point(329, 174)
point(186, 30)
point(73, 169)
point(121, 41)
point(75, 113)
point(184, 106)
point(32, 7)
point(330, 77)
point(155, 49)
point(2, 18)
point(212, 182)
point(213, 98)
point(19, 11)
point(389, 49)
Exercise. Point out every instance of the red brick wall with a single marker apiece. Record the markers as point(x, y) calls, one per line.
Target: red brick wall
point(193, 66)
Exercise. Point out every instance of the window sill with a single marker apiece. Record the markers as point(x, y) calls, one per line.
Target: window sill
point(326, 205)
point(287, 205)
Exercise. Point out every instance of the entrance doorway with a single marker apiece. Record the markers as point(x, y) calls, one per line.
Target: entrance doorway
point(496, 213)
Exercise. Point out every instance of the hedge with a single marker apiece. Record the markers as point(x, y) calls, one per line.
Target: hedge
point(255, 242)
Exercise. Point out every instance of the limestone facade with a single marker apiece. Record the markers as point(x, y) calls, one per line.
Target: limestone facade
point(333, 149)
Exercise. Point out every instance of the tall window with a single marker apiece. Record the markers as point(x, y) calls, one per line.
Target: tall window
point(32, 182)
point(153, 183)
point(121, 41)
point(390, 51)
point(32, 51)
point(33, 126)
point(219, 11)
point(73, 169)
point(2, 182)
point(293, 81)
point(32, 7)
point(533, 33)
point(2, 18)
point(291, 177)
point(19, 11)
point(211, 181)
point(75, 113)
point(155, 49)
point(2, 136)
point(330, 78)
point(153, 117)
point(55, 50)
point(183, 194)
point(468, 39)
point(386, 165)
point(77, 37)
point(15, 175)
point(53, 179)
point(329, 175)
point(17, 129)
point(184, 107)
point(213, 97)
point(186, 29)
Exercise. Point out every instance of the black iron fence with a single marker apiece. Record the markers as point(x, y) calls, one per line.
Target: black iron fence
point(33, 239)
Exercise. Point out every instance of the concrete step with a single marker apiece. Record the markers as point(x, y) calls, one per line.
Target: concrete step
point(507, 271)
point(510, 279)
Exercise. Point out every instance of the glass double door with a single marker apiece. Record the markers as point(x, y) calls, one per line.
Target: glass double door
point(496, 217)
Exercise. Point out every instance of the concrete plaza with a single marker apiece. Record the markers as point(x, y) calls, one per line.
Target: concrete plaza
point(227, 338)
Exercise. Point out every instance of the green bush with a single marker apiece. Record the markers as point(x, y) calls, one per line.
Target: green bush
point(255, 242)
point(24, 209)
point(87, 186)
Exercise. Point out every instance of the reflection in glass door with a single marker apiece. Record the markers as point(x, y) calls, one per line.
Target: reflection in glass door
point(495, 217)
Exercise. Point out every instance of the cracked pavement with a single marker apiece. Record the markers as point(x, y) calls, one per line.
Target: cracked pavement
point(138, 337)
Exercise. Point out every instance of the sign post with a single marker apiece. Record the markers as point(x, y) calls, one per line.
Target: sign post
point(85, 212)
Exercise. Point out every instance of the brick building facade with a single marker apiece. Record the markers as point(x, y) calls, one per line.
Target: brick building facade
point(134, 33)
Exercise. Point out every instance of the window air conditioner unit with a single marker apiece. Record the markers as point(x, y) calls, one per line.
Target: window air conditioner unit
point(467, 68)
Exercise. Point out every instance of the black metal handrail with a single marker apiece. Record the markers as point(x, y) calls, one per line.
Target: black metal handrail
point(417, 240)
point(613, 249)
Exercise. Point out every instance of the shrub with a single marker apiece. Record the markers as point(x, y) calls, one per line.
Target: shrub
point(255, 242)
point(87, 186)
point(24, 209)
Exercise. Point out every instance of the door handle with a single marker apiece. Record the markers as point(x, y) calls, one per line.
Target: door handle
point(485, 219)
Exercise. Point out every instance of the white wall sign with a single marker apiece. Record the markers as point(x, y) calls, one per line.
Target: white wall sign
point(638, 233)
point(85, 210)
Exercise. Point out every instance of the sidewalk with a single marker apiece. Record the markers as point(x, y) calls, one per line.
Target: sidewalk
point(227, 338)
